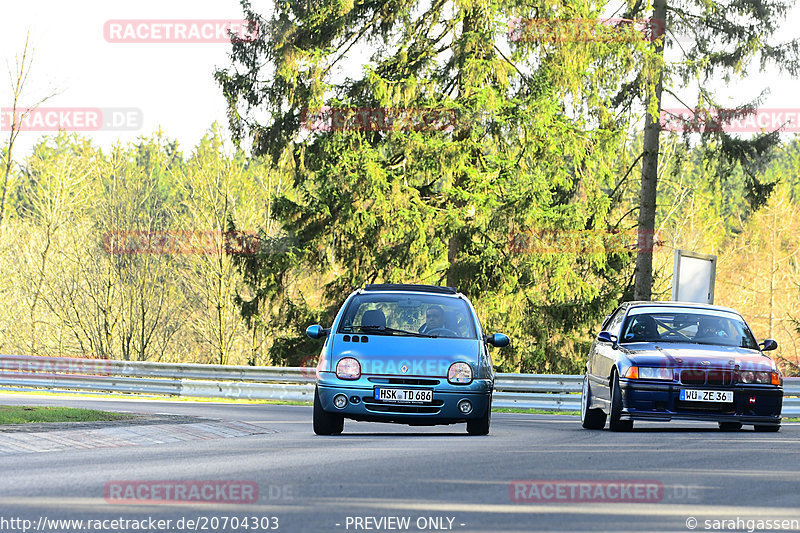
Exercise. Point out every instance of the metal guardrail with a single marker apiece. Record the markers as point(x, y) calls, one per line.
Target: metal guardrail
point(556, 392)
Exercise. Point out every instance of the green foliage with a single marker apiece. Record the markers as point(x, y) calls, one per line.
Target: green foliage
point(533, 144)
point(107, 254)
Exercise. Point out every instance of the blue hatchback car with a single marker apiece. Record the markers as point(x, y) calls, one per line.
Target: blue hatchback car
point(408, 354)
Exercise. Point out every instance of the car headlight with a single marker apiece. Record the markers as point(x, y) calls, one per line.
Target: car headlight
point(348, 368)
point(750, 376)
point(459, 373)
point(644, 372)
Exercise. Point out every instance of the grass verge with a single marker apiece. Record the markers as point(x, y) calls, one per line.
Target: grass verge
point(20, 414)
point(123, 396)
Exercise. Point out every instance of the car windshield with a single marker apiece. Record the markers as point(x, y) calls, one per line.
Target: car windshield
point(687, 325)
point(419, 315)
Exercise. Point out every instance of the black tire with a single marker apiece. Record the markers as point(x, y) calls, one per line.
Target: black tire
point(730, 426)
point(480, 426)
point(326, 423)
point(614, 422)
point(590, 418)
point(767, 429)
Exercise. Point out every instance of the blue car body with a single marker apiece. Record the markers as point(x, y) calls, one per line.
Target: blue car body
point(403, 362)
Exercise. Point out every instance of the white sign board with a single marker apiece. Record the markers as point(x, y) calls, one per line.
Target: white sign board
point(693, 277)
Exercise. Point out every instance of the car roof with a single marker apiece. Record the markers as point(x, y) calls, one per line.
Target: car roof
point(646, 303)
point(407, 287)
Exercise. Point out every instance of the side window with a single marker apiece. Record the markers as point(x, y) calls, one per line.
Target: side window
point(616, 321)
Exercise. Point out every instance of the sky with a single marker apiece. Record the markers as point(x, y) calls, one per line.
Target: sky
point(170, 84)
point(144, 86)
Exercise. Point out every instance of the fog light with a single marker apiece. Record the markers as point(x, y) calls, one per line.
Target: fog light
point(340, 400)
point(465, 406)
point(354, 399)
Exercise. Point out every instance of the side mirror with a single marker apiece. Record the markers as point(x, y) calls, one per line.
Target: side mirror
point(605, 336)
point(768, 344)
point(498, 339)
point(316, 331)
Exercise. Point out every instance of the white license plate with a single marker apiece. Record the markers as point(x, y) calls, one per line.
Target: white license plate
point(691, 395)
point(403, 395)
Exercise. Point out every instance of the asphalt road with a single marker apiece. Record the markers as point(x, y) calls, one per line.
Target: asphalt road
point(439, 479)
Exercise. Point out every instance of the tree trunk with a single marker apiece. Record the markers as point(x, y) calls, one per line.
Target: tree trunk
point(643, 284)
point(7, 172)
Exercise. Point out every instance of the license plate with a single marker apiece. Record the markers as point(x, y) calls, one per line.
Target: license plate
point(403, 395)
point(723, 396)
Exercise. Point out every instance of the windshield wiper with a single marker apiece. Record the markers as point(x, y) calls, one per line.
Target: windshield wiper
point(392, 330)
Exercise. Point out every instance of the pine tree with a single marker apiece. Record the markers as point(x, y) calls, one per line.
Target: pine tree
point(465, 131)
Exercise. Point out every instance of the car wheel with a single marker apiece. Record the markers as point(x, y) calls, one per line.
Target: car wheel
point(730, 426)
point(590, 418)
point(767, 429)
point(614, 423)
point(326, 423)
point(480, 426)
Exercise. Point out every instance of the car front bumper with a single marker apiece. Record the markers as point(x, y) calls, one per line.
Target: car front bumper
point(443, 410)
point(752, 404)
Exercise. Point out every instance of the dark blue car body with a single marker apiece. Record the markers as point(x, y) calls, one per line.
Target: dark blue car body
point(685, 361)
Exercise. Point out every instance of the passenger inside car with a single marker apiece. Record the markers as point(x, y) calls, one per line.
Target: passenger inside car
point(712, 327)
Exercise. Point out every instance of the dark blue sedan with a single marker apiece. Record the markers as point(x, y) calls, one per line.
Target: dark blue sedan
point(671, 360)
point(409, 354)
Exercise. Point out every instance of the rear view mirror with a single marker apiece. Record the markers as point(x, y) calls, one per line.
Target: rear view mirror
point(605, 336)
point(408, 303)
point(498, 340)
point(316, 331)
point(768, 344)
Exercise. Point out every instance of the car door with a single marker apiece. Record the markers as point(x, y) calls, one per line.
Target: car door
point(604, 356)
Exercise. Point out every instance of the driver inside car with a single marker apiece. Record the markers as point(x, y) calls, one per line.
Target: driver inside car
point(644, 329)
point(711, 327)
point(434, 319)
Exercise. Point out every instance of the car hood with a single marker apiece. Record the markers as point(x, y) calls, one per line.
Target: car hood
point(406, 356)
point(696, 356)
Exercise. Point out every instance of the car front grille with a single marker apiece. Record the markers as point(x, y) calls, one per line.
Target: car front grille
point(697, 376)
point(707, 407)
point(406, 381)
